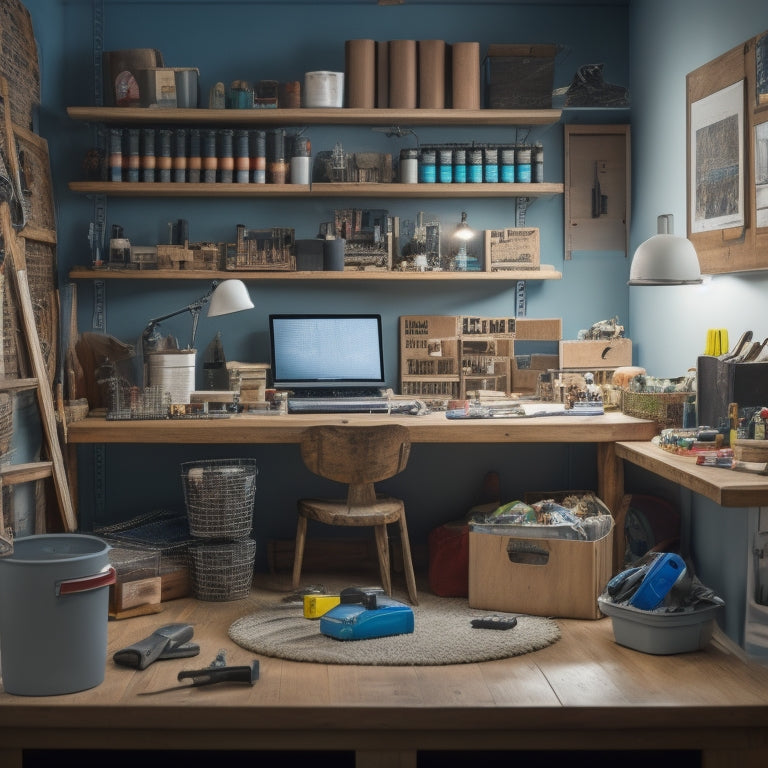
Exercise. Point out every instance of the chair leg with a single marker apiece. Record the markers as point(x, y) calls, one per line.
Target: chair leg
point(298, 552)
point(382, 547)
point(410, 578)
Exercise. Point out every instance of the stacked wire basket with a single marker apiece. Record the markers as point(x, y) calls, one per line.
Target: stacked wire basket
point(219, 495)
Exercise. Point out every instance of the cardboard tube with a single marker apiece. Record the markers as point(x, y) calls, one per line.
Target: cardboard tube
point(360, 56)
point(465, 72)
point(382, 74)
point(403, 74)
point(432, 74)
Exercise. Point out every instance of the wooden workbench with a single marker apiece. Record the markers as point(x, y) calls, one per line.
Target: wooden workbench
point(251, 429)
point(585, 692)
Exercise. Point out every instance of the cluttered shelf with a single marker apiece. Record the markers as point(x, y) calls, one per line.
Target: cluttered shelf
point(725, 487)
point(107, 273)
point(315, 116)
point(320, 189)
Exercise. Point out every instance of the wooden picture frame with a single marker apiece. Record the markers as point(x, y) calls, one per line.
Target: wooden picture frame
point(728, 97)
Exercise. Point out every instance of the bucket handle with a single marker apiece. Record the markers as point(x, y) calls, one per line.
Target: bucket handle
point(103, 578)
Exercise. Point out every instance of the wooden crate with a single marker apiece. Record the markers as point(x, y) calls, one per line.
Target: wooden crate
point(611, 353)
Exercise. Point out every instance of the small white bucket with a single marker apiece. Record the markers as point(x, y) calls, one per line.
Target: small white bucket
point(323, 89)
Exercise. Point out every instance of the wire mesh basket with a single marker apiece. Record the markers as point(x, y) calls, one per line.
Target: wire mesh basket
point(665, 408)
point(125, 401)
point(219, 495)
point(223, 570)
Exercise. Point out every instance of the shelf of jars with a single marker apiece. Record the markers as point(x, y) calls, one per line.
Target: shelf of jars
point(316, 116)
point(319, 189)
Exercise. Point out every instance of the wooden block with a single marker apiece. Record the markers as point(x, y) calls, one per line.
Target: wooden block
point(129, 594)
point(139, 610)
point(528, 329)
point(175, 584)
point(611, 353)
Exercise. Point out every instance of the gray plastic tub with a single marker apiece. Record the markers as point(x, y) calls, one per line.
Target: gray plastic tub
point(661, 633)
point(54, 611)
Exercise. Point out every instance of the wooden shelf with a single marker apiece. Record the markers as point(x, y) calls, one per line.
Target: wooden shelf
point(304, 116)
point(352, 189)
point(107, 273)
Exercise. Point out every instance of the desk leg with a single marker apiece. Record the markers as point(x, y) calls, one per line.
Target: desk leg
point(384, 759)
point(11, 758)
point(610, 488)
point(734, 758)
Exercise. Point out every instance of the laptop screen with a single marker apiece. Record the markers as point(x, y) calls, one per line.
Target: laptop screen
point(326, 350)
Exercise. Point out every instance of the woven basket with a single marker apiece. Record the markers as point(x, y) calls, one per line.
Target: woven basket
point(665, 408)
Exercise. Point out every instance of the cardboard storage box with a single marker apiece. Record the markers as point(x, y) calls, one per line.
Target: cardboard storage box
point(513, 248)
point(595, 354)
point(540, 577)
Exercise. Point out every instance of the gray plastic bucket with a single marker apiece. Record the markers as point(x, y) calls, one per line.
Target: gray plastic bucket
point(54, 612)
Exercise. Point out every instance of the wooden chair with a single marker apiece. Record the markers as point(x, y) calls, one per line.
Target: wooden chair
point(358, 456)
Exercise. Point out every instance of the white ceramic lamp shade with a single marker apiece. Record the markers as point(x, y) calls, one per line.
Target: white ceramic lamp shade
point(665, 259)
point(229, 296)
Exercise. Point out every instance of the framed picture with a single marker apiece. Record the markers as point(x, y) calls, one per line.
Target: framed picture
point(761, 175)
point(717, 180)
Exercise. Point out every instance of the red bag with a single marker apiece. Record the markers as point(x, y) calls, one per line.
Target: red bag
point(449, 560)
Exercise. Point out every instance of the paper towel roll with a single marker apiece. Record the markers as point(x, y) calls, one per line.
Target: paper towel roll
point(360, 58)
point(403, 74)
point(431, 74)
point(465, 73)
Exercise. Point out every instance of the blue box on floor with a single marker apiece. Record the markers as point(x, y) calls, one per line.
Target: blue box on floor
point(353, 621)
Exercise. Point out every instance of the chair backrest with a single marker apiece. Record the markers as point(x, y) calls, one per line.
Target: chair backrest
point(356, 455)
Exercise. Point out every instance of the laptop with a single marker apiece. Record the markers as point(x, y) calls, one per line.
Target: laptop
point(327, 356)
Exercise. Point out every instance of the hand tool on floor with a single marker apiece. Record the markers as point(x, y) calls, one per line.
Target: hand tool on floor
point(168, 642)
point(215, 673)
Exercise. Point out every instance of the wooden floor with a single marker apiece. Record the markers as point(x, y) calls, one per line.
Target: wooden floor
point(585, 693)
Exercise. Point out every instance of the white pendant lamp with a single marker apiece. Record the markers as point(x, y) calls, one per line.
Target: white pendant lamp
point(665, 258)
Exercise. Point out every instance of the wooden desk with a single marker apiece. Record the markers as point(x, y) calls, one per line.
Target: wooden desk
point(604, 430)
point(583, 692)
point(723, 486)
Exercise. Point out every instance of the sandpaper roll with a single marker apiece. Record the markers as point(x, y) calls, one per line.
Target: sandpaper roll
point(382, 74)
point(360, 56)
point(431, 74)
point(465, 75)
point(403, 74)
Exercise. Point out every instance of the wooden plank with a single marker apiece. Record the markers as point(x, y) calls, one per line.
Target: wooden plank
point(13, 474)
point(44, 394)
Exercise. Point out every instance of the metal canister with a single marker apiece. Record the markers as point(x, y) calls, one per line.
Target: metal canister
point(491, 164)
point(409, 166)
point(428, 166)
point(445, 166)
point(507, 165)
point(538, 163)
point(474, 165)
point(460, 165)
point(523, 165)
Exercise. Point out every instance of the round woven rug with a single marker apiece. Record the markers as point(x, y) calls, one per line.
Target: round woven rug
point(442, 635)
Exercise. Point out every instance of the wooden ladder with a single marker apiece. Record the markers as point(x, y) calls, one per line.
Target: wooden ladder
point(12, 474)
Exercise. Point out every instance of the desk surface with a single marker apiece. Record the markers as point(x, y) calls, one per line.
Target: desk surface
point(724, 486)
point(430, 428)
point(585, 691)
